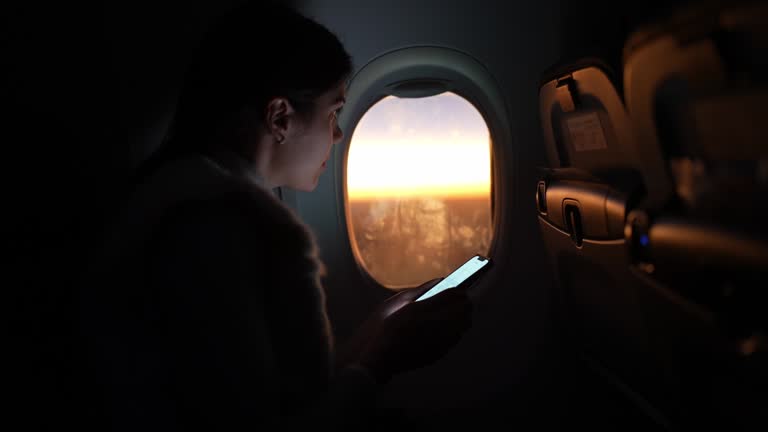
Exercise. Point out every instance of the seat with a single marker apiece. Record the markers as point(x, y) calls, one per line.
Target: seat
point(652, 209)
point(582, 198)
point(696, 87)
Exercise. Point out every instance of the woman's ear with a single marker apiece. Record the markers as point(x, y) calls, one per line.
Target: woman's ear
point(278, 119)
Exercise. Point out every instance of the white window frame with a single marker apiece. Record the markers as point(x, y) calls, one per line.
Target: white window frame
point(429, 70)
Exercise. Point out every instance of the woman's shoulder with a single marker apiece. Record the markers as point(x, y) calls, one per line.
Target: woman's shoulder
point(196, 194)
point(240, 208)
point(234, 202)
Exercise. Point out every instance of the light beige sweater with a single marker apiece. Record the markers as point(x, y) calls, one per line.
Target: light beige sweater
point(205, 310)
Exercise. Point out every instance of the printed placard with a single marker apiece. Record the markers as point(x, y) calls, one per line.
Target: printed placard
point(586, 132)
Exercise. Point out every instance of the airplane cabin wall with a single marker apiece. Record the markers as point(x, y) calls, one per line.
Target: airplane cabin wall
point(505, 364)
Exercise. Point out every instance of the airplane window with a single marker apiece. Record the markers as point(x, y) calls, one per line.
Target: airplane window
point(419, 188)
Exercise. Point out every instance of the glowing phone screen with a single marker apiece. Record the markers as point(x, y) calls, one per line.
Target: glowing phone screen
point(457, 277)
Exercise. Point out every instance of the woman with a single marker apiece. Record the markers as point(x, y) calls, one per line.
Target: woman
point(204, 309)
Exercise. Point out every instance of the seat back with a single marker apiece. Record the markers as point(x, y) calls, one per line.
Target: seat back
point(652, 211)
point(595, 178)
point(696, 86)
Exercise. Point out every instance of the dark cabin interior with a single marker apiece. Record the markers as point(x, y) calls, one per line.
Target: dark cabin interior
point(88, 91)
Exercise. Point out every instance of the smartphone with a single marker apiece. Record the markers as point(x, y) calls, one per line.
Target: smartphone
point(462, 276)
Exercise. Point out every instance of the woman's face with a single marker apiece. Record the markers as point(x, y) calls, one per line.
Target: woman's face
point(304, 153)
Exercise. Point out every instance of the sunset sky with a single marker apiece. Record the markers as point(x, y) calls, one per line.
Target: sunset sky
point(435, 146)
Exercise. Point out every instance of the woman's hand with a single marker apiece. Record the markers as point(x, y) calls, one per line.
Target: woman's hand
point(402, 334)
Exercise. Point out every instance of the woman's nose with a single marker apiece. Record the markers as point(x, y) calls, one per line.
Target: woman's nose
point(338, 135)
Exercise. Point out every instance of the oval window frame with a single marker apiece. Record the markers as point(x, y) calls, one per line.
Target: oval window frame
point(440, 69)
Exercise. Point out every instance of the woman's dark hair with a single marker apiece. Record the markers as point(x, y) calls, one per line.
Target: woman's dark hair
point(253, 54)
